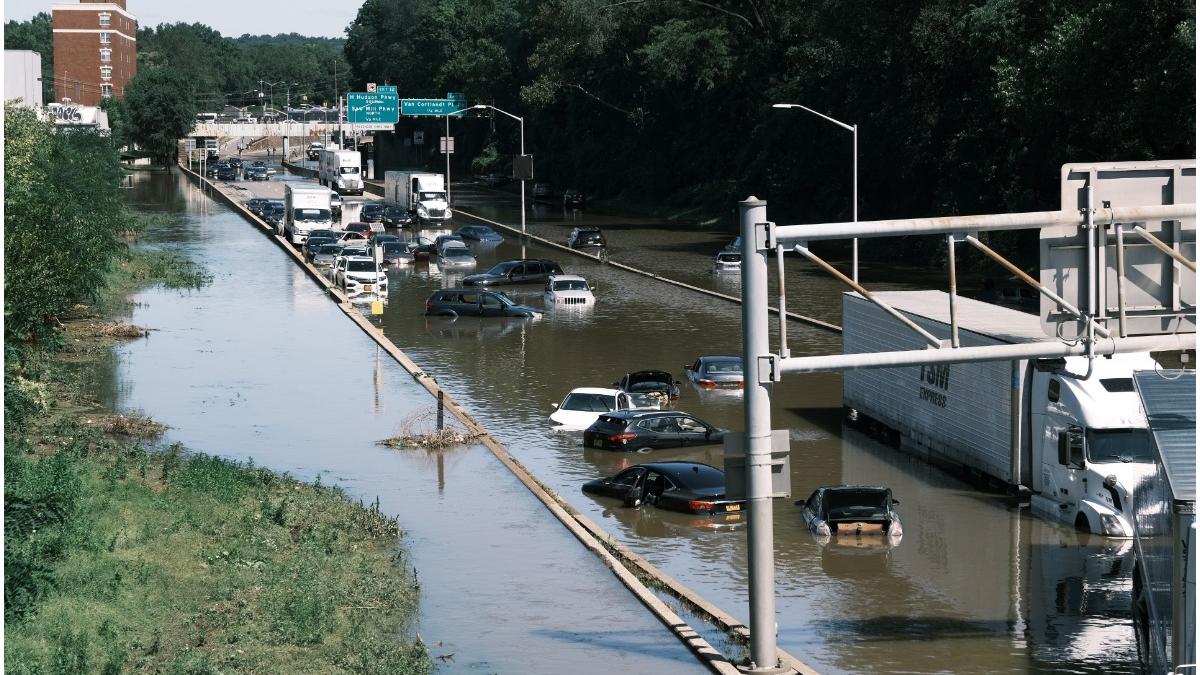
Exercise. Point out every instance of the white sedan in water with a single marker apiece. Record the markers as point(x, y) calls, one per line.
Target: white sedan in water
point(582, 406)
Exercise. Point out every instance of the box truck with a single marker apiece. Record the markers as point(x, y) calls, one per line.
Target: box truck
point(423, 194)
point(305, 207)
point(1070, 434)
point(1164, 508)
point(341, 170)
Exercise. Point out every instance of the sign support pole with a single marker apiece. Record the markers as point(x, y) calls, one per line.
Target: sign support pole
point(446, 149)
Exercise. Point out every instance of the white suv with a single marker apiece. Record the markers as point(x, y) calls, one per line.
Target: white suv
point(358, 274)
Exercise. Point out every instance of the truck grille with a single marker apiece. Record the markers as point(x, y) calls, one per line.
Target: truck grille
point(437, 213)
point(573, 301)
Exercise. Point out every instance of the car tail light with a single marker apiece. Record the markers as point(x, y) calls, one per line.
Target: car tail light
point(621, 438)
point(707, 384)
point(741, 384)
point(700, 505)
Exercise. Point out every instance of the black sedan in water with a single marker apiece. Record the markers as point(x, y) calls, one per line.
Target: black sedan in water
point(515, 272)
point(372, 212)
point(645, 430)
point(689, 487)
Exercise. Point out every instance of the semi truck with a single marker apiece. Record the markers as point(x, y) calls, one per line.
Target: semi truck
point(341, 170)
point(306, 207)
point(1069, 434)
point(423, 194)
point(1164, 508)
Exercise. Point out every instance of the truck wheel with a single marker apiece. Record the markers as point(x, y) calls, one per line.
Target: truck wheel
point(1081, 524)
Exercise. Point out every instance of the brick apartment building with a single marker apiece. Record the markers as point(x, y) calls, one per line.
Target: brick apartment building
point(95, 50)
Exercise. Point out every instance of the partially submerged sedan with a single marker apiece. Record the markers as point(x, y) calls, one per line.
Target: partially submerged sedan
point(853, 515)
point(716, 372)
point(580, 408)
point(689, 487)
point(646, 430)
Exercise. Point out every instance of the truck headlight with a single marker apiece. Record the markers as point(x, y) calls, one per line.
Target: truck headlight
point(1111, 526)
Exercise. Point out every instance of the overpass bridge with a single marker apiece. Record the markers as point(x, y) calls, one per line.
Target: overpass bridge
point(276, 129)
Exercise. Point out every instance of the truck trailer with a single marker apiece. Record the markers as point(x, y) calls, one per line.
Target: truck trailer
point(306, 207)
point(1164, 520)
point(341, 170)
point(423, 194)
point(1069, 434)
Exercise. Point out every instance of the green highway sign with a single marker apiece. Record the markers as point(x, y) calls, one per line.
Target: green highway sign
point(438, 107)
point(387, 89)
point(380, 107)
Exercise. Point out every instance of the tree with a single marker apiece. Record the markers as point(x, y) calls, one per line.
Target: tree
point(63, 217)
point(161, 110)
point(35, 35)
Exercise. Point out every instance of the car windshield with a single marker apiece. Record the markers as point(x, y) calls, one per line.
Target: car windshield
point(1119, 445)
point(457, 253)
point(361, 266)
point(850, 504)
point(504, 267)
point(729, 367)
point(349, 169)
point(639, 400)
point(505, 300)
point(395, 247)
point(372, 207)
point(311, 214)
point(588, 402)
point(571, 285)
point(329, 249)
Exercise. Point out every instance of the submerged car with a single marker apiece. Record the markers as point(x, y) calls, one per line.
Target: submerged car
point(372, 212)
point(325, 255)
point(586, 237)
point(716, 372)
point(515, 272)
point(256, 204)
point(358, 274)
point(568, 290)
point(727, 262)
point(580, 408)
point(657, 382)
point(542, 191)
point(396, 216)
point(398, 253)
point(336, 203)
point(452, 302)
point(479, 233)
point(689, 487)
point(853, 515)
point(643, 431)
point(256, 173)
point(573, 199)
point(456, 257)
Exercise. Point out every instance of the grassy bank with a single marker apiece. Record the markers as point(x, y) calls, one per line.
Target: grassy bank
point(124, 556)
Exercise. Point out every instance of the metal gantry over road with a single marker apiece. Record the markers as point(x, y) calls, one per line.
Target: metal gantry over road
point(1079, 276)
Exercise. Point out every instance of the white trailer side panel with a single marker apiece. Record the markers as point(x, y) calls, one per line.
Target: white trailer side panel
point(961, 414)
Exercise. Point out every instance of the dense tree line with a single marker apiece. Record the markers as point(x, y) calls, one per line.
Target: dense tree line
point(962, 107)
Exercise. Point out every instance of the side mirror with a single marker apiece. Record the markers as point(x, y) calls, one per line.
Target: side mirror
point(554, 406)
point(616, 385)
point(895, 502)
point(799, 502)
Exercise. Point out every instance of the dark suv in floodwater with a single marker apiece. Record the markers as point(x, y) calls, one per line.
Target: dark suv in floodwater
point(515, 272)
point(474, 302)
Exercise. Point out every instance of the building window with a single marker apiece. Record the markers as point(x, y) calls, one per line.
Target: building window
point(105, 19)
point(106, 90)
point(105, 38)
point(105, 55)
point(106, 72)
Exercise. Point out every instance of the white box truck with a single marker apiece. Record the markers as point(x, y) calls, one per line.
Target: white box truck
point(423, 194)
point(306, 207)
point(1164, 506)
point(1075, 438)
point(341, 170)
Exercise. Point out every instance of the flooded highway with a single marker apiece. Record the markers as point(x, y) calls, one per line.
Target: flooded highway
point(261, 365)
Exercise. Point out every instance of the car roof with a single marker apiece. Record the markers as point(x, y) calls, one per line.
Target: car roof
point(595, 390)
point(566, 277)
point(639, 414)
point(853, 488)
point(358, 258)
point(715, 357)
point(675, 466)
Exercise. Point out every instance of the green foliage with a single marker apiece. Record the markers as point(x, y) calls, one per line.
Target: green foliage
point(962, 107)
point(162, 110)
point(60, 189)
point(35, 35)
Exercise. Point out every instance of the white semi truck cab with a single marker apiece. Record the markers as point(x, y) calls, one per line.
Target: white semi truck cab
point(341, 170)
point(1091, 443)
point(423, 194)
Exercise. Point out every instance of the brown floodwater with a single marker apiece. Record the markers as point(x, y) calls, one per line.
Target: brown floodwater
point(261, 365)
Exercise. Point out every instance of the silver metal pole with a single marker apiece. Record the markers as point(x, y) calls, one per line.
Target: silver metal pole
point(1121, 325)
point(790, 234)
point(760, 534)
point(854, 252)
point(783, 343)
point(1028, 350)
point(953, 291)
point(522, 119)
point(447, 151)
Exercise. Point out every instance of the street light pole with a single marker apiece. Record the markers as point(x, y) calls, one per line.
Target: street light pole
point(483, 106)
point(853, 129)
